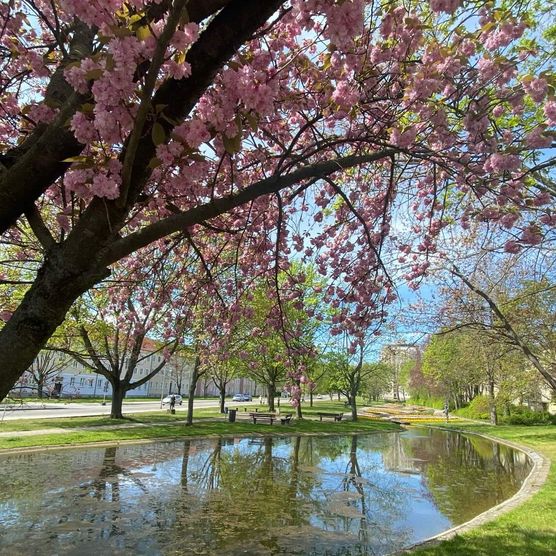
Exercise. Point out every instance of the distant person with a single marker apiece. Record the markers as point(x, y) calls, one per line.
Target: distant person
point(446, 412)
point(172, 402)
point(261, 399)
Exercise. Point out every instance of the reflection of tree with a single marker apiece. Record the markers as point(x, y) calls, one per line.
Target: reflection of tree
point(468, 475)
point(106, 487)
point(374, 506)
point(265, 495)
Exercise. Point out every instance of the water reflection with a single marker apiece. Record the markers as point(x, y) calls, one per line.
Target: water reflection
point(353, 495)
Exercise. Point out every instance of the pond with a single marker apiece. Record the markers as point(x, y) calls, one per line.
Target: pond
point(334, 495)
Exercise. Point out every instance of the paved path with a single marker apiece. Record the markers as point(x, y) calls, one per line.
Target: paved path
point(58, 430)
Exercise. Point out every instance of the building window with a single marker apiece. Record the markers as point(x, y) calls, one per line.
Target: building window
point(72, 381)
point(81, 381)
point(106, 386)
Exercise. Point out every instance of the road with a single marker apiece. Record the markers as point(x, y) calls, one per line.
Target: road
point(49, 410)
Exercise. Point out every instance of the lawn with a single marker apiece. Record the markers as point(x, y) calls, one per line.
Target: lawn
point(530, 529)
point(164, 425)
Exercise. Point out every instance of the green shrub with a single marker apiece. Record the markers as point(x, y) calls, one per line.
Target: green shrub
point(477, 409)
point(522, 415)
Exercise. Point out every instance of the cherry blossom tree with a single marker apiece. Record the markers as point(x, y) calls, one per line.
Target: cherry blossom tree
point(268, 127)
point(113, 324)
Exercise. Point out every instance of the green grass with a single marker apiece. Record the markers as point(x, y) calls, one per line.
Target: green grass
point(97, 421)
point(530, 529)
point(165, 428)
point(158, 417)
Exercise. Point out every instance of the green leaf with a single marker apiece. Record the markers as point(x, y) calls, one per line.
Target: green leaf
point(158, 134)
point(80, 158)
point(252, 120)
point(143, 32)
point(94, 74)
point(232, 144)
point(154, 163)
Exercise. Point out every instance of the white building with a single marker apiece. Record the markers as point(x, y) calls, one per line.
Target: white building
point(396, 355)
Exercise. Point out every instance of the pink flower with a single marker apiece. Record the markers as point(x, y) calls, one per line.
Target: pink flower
point(550, 112)
point(345, 95)
point(5, 315)
point(194, 132)
point(447, 6)
point(535, 139)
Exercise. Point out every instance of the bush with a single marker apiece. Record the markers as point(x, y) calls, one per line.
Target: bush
point(522, 415)
point(477, 409)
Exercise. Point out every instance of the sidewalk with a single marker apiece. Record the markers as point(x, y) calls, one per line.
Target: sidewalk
point(55, 430)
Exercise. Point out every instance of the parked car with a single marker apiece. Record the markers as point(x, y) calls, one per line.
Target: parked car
point(167, 399)
point(242, 398)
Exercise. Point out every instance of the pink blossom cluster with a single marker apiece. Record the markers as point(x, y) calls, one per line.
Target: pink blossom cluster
point(446, 6)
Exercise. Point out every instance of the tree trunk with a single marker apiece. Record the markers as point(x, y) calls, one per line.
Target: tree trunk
point(311, 398)
point(353, 405)
point(42, 310)
point(191, 394)
point(492, 403)
point(40, 389)
point(222, 398)
point(271, 393)
point(118, 395)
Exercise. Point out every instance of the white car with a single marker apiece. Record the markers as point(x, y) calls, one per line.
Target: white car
point(167, 399)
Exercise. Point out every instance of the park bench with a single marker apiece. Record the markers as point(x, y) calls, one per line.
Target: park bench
point(263, 417)
point(285, 419)
point(335, 416)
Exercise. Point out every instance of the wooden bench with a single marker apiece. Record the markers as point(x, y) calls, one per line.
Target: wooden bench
point(335, 416)
point(263, 417)
point(285, 419)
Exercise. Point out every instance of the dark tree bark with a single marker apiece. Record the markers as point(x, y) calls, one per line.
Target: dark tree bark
point(118, 395)
point(222, 399)
point(271, 389)
point(192, 387)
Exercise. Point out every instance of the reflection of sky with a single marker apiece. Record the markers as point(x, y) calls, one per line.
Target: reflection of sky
point(90, 500)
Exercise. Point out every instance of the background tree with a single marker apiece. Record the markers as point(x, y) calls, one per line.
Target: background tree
point(47, 365)
point(377, 380)
point(113, 325)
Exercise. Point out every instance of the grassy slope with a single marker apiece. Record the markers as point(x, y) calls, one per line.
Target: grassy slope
point(157, 417)
point(164, 425)
point(529, 530)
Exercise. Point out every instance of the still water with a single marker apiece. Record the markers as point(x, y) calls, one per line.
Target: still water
point(342, 495)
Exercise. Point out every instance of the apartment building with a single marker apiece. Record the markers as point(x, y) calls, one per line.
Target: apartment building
point(67, 377)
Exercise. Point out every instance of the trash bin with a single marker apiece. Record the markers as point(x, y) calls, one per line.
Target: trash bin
point(232, 415)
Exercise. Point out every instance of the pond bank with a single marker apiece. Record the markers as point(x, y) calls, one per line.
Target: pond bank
point(524, 524)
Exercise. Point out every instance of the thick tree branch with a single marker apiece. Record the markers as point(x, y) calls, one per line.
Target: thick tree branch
point(127, 245)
